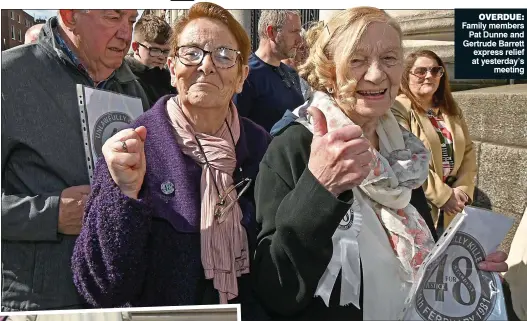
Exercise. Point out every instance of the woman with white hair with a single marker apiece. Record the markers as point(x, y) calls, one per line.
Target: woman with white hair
point(345, 224)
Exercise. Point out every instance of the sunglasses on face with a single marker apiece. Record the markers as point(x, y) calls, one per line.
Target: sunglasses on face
point(421, 72)
point(155, 52)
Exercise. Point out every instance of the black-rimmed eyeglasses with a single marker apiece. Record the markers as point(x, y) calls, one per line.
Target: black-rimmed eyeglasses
point(436, 72)
point(222, 57)
point(155, 52)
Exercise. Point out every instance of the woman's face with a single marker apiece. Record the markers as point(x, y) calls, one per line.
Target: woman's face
point(207, 85)
point(425, 76)
point(376, 65)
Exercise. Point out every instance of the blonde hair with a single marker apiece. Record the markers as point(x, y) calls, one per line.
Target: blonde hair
point(341, 34)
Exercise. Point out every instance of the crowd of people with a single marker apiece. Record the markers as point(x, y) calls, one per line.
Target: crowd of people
point(246, 177)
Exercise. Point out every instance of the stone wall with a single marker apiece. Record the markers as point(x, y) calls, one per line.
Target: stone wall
point(434, 30)
point(497, 121)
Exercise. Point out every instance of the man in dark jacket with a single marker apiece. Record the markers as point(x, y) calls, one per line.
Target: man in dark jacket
point(45, 179)
point(150, 51)
point(272, 87)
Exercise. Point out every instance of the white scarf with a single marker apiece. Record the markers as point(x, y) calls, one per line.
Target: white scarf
point(400, 166)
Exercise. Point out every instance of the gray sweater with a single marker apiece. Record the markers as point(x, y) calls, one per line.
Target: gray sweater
point(42, 154)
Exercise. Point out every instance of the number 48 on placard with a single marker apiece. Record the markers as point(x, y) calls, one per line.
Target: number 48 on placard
point(461, 278)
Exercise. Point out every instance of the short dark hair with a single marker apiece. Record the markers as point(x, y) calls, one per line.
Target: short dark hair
point(153, 29)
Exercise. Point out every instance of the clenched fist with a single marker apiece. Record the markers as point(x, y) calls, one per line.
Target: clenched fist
point(124, 154)
point(340, 160)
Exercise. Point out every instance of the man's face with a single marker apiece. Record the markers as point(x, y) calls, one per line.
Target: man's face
point(288, 39)
point(151, 54)
point(103, 37)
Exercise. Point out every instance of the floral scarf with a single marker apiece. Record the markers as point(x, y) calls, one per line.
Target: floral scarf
point(399, 166)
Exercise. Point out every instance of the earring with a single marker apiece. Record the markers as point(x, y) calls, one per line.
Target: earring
point(330, 90)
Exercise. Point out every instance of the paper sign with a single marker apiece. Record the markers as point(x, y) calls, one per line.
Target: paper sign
point(103, 114)
point(449, 285)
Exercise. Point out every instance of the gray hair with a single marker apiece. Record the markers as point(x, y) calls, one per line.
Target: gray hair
point(273, 18)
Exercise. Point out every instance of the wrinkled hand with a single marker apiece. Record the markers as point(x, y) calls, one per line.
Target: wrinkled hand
point(126, 162)
point(494, 262)
point(71, 209)
point(339, 160)
point(461, 196)
point(456, 202)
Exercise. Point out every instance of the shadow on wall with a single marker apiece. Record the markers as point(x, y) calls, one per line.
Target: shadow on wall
point(481, 199)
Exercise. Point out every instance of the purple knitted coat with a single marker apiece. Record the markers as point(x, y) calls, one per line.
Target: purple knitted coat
point(146, 252)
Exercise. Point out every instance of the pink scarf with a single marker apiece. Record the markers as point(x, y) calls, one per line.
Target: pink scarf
point(224, 246)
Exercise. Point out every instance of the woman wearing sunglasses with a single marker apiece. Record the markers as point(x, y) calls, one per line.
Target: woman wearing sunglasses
point(170, 220)
point(426, 107)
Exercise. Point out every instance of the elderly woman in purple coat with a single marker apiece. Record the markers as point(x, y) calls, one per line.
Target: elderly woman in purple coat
point(170, 220)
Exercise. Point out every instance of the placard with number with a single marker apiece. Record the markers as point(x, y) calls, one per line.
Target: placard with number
point(449, 285)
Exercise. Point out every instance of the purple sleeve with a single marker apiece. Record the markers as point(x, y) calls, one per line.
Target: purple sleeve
point(110, 258)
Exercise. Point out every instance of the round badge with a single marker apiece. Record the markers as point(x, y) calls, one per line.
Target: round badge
point(167, 188)
point(106, 126)
point(347, 220)
point(453, 283)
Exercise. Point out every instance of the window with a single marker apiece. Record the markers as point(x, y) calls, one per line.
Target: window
point(13, 32)
point(20, 35)
point(12, 15)
point(19, 20)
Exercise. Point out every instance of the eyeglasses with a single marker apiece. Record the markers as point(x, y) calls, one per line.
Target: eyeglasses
point(155, 52)
point(226, 202)
point(436, 72)
point(222, 57)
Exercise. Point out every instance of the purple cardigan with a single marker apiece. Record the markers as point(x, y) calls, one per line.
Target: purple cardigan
point(146, 252)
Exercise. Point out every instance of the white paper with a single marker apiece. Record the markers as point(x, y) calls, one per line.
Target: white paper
point(449, 286)
point(103, 114)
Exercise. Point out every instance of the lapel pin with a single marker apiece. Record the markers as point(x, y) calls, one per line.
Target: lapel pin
point(167, 188)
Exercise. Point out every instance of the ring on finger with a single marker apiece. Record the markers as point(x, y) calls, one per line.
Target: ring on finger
point(125, 148)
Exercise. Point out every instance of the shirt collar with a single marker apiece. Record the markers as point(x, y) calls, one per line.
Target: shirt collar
point(77, 62)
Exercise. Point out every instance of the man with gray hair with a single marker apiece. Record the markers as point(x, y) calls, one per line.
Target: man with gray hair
point(272, 87)
point(45, 182)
